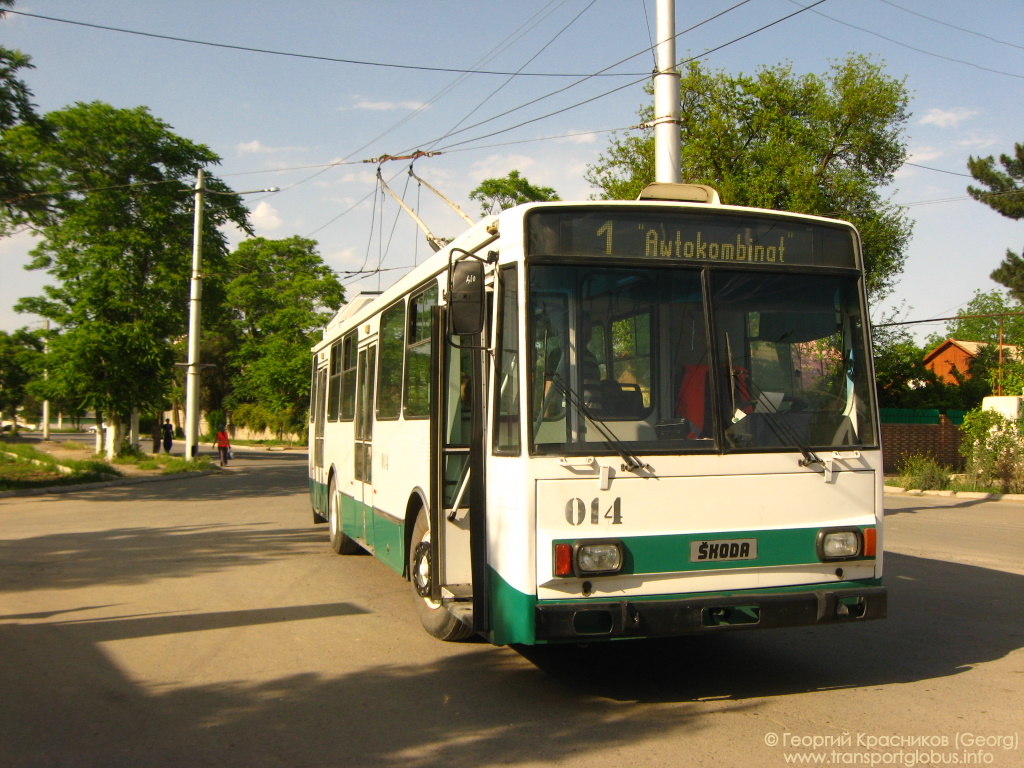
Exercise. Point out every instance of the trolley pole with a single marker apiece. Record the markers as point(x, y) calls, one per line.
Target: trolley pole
point(667, 149)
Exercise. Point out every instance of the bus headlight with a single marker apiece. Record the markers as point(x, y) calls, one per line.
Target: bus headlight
point(839, 544)
point(591, 557)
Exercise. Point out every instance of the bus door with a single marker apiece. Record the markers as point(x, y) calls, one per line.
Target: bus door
point(363, 453)
point(456, 387)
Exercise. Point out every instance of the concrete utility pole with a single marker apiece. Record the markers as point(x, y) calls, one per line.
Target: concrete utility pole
point(667, 150)
point(46, 375)
point(194, 313)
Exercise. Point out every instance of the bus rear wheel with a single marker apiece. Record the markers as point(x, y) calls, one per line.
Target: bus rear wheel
point(341, 543)
point(436, 619)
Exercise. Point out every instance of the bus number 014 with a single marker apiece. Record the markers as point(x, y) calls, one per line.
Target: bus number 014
point(576, 511)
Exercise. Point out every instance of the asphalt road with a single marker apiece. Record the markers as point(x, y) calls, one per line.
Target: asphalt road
point(205, 622)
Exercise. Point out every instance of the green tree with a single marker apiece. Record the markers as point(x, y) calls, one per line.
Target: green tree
point(985, 317)
point(495, 195)
point(16, 108)
point(902, 381)
point(991, 317)
point(116, 239)
point(278, 296)
point(20, 354)
point(817, 144)
point(1004, 192)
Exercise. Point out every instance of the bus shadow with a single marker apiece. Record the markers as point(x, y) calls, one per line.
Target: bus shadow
point(943, 619)
point(459, 710)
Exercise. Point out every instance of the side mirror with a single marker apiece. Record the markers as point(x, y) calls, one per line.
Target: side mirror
point(466, 298)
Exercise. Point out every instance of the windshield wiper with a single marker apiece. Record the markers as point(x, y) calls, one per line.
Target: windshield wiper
point(630, 461)
point(786, 434)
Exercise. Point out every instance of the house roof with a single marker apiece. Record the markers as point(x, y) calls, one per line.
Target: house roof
point(970, 348)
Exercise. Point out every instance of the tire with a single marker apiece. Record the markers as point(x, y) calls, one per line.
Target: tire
point(434, 617)
point(341, 543)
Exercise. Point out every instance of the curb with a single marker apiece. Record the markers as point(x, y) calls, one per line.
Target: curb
point(1017, 498)
point(55, 489)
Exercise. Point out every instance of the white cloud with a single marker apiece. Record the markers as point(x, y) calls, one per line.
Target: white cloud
point(388, 106)
point(498, 166)
point(977, 143)
point(579, 138)
point(265, 217)
point(924, 155)
point(256, 147)
point(947, 118)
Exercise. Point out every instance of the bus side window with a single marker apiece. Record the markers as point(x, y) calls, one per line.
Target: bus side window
point(348, 378)
point(334, 383)
point(389, 367)
point(417, 354)
point(506, 427)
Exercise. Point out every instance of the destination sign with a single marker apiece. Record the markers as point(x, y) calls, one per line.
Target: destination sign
point(687, 236)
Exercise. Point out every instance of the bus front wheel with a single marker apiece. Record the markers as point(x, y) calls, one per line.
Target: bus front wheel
point(435, 618)
point(341, 543)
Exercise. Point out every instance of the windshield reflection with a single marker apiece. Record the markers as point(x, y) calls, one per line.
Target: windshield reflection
point(620, 360)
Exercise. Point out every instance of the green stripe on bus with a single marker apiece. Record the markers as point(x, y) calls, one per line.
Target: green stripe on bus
point(671, 553)
point(512, 619)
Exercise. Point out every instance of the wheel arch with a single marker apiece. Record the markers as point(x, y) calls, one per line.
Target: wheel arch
point(417, 501)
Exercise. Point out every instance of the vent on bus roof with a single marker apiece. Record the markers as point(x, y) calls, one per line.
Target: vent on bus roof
point(686, 193)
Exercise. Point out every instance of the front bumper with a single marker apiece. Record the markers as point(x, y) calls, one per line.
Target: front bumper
point(671, 617)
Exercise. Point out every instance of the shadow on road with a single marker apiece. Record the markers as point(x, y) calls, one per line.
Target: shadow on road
point(134, 555)
point(943, 619)
point(479, 705)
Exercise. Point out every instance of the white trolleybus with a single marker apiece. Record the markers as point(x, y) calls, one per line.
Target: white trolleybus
point(612, 420)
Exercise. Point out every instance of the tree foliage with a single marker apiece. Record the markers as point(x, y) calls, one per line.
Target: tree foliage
point(16, 108)
point(495, 195)
point(278, 294)
point(1003, 189)
point(992, 318)
point(903, 381)
point(817, 144)
point(117, 240)
point(1003, 192)
point(20, 362)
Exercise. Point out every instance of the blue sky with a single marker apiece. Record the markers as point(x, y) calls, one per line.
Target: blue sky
point(282, 120)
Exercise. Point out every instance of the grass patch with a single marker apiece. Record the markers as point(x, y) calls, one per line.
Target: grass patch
point(20, 473)
point(175, 465)
point(925, 474)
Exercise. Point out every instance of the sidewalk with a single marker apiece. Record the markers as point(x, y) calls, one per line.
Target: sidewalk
point(892, 490)
point(132, 473)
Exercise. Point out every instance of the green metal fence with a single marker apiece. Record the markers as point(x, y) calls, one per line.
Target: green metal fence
point(918, 416)
point(909, 415)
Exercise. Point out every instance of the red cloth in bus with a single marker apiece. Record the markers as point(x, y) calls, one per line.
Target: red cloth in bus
point(692, 396)
point(691, 404)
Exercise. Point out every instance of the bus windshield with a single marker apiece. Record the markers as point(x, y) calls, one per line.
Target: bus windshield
point(650, 359)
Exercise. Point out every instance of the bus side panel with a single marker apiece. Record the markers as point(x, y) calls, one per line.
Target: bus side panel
point(318, 496)
point(510, 551)
point(401, 463)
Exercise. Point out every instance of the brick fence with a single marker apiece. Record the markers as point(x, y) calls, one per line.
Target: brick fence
point(939, 441)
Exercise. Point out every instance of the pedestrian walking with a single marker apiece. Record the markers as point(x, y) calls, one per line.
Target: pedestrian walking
point(168, 431)
point(223, 444)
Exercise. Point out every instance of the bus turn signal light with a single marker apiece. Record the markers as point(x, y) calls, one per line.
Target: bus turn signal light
point(563, 560)
point(870, 542)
